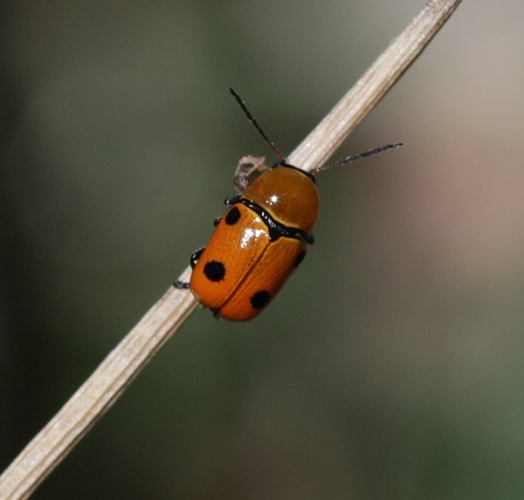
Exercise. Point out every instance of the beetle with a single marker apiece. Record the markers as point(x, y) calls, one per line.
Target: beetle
point(263, 235)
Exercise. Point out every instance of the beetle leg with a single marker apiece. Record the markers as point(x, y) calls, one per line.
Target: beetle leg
point(231, 200)
point(182, 285)
point(195, 256)
point(217, 220)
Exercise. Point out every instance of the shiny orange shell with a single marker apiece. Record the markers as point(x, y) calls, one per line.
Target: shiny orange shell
point(289, 195)
point(245, 264)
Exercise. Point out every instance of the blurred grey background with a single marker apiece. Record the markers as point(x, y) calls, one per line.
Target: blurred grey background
point(390, 366)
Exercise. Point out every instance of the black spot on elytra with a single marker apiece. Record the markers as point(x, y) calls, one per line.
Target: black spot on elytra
point(214, 270)
point(233, 216)
point(300, 258)
point(260, 299)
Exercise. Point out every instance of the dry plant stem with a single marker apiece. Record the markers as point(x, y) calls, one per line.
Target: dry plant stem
point(328, 135)
point(97, 394)
point(119, 368)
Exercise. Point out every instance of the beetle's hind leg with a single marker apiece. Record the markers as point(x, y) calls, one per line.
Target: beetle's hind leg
point(183, 285)
point(195, 256)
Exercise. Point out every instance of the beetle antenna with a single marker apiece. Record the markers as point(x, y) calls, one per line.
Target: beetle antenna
point(251, 118)
point(358, 156)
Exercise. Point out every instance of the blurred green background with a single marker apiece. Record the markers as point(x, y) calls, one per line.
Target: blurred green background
point(390, 366)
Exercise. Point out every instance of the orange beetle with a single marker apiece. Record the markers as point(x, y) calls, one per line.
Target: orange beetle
point(262, 237)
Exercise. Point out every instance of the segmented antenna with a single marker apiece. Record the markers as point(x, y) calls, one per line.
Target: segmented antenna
point(314, 171)
point(358, 156)
point(251, 118)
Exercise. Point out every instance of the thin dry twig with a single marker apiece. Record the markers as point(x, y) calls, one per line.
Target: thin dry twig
point(122, 365)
